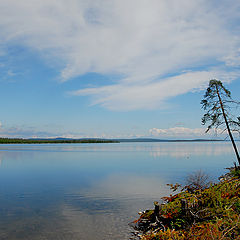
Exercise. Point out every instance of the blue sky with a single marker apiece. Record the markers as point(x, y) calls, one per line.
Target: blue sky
point(91, 68)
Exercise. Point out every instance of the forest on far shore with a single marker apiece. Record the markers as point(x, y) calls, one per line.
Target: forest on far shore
point(39, 141)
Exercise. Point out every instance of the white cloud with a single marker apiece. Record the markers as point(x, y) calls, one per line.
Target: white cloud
point(125, 96)
point(177, 132)
point(189, 133)
point(233, 59)
point(141, 40)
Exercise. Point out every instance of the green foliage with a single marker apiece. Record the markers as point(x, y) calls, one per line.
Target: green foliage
point(216, 100)
point(235, 172)
point(211, 213)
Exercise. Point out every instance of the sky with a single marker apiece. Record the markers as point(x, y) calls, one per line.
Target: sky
point(114, 68)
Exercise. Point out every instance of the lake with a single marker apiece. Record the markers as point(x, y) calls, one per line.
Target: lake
point(92, 191)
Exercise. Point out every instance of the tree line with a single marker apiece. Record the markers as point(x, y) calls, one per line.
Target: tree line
point(39, 141)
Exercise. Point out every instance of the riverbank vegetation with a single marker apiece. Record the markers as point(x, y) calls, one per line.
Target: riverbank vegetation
point(196, 212)
point(40, 141)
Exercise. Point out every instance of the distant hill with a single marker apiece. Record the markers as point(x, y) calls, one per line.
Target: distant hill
point(127, 139)
point(165, 140)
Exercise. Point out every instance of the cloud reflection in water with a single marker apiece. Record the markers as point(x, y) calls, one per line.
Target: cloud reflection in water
point(179, 150)
point(105, 208)
point(91, 191)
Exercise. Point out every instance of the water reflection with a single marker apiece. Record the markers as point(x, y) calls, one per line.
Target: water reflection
point(179, 150)
point(92, 191)
point(104, 209)
point(175, 149)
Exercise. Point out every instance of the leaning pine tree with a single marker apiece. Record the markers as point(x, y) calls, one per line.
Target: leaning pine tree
point(218, 102)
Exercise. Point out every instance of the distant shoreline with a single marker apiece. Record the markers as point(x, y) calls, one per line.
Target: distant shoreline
point(93, 140)
point(167, 140)
point(52, 141)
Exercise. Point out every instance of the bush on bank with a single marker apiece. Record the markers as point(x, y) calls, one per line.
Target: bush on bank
point(211, 213)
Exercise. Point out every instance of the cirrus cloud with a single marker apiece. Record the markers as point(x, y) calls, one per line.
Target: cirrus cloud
point(144, 42)
point(151, 95)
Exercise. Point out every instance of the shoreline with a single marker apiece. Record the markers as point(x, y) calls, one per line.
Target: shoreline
point(52, 141)
point(196, 212)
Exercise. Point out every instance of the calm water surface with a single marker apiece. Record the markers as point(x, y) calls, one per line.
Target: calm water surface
point(92, 191)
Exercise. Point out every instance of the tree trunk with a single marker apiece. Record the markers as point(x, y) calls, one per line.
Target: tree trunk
point(228, 128)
